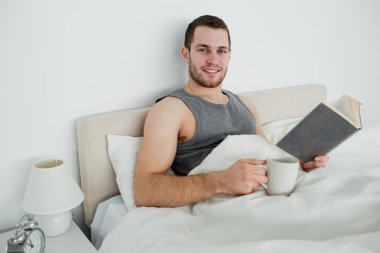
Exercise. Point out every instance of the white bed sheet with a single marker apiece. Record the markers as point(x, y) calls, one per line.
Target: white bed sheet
point(333, 209)
point(108, 214)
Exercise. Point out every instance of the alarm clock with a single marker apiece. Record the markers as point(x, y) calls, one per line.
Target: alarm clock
point(27, 238)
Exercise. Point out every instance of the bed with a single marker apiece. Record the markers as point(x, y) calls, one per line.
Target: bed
point(333, 209)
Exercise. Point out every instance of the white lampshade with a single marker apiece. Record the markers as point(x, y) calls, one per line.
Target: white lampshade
point(51, 193)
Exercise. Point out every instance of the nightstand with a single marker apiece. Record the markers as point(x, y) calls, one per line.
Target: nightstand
point(72, 241)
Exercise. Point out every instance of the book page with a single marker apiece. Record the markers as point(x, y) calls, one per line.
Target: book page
point(343, 106)
point(350, 107)
point(355, 110)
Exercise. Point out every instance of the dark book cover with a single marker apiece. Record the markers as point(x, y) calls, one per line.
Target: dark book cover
point(317, 134)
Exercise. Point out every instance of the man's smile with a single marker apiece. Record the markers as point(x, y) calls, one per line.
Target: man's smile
point(211, 70)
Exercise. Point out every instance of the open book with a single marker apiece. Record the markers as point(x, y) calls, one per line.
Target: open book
point(324, 128)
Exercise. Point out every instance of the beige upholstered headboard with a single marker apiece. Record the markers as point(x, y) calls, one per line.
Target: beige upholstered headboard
point(97, 175)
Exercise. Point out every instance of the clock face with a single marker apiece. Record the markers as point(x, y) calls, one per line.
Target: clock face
point(35, 242)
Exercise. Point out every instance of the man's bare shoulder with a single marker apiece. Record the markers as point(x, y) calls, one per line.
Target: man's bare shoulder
point(247, 101)
point(169, 100)
point(251, 106)
point(167, 113)
point(168, 106)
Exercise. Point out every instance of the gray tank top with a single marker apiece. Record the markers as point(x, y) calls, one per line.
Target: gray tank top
point(213, 123)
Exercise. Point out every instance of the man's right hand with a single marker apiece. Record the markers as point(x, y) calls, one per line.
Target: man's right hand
point(243, 177)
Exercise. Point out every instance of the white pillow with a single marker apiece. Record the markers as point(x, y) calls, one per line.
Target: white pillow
point(277, 129)
point(122, 151)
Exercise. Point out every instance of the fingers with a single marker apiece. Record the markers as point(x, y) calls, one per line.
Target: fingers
point(254, 171)
point(319, 161)
point(253, 166)
point(309, 166)
point(255, 186)
point(322, 158)
point(253, 161)
point(261, 179)
point(245, 176)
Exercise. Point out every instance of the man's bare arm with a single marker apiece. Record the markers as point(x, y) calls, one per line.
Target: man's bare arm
point(153, 187)
point(259, 130)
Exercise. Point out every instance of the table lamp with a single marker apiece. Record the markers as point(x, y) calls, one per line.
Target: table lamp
point(51, 193)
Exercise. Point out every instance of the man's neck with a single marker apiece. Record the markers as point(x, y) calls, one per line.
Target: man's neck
point(213, 95)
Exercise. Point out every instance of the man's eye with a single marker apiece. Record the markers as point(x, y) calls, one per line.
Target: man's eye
point(202, 50)
point(222, 51)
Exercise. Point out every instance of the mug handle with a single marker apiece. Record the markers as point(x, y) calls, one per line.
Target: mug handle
point(262, 184)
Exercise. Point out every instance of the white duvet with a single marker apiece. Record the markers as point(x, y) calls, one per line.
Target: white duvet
point(333, 209)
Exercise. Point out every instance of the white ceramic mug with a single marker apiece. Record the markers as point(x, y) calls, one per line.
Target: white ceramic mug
point(282, 175)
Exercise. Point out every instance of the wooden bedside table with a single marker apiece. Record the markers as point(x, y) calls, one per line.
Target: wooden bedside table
point(72, 241)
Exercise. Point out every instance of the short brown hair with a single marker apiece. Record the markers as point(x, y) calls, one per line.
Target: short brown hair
point(206, 20)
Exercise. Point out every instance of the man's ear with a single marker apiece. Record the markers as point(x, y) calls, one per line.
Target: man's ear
point(185, 54)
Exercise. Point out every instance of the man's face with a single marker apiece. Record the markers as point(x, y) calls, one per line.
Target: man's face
point(209, 56)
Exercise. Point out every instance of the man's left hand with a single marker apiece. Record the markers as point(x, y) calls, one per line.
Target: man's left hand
point(318, 162)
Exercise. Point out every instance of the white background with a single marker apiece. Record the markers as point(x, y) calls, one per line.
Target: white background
point(62, 60)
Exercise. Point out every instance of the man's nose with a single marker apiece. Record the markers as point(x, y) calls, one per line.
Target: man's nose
point(212, 57)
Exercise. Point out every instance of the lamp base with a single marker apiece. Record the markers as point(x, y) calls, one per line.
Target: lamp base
point(55, 224)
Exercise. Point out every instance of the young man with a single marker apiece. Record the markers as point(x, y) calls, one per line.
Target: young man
point(184, 127)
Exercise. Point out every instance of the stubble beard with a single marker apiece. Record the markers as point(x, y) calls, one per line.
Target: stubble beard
point(197, 77)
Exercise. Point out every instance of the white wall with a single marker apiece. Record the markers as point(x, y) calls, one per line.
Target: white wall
point(61, 60)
